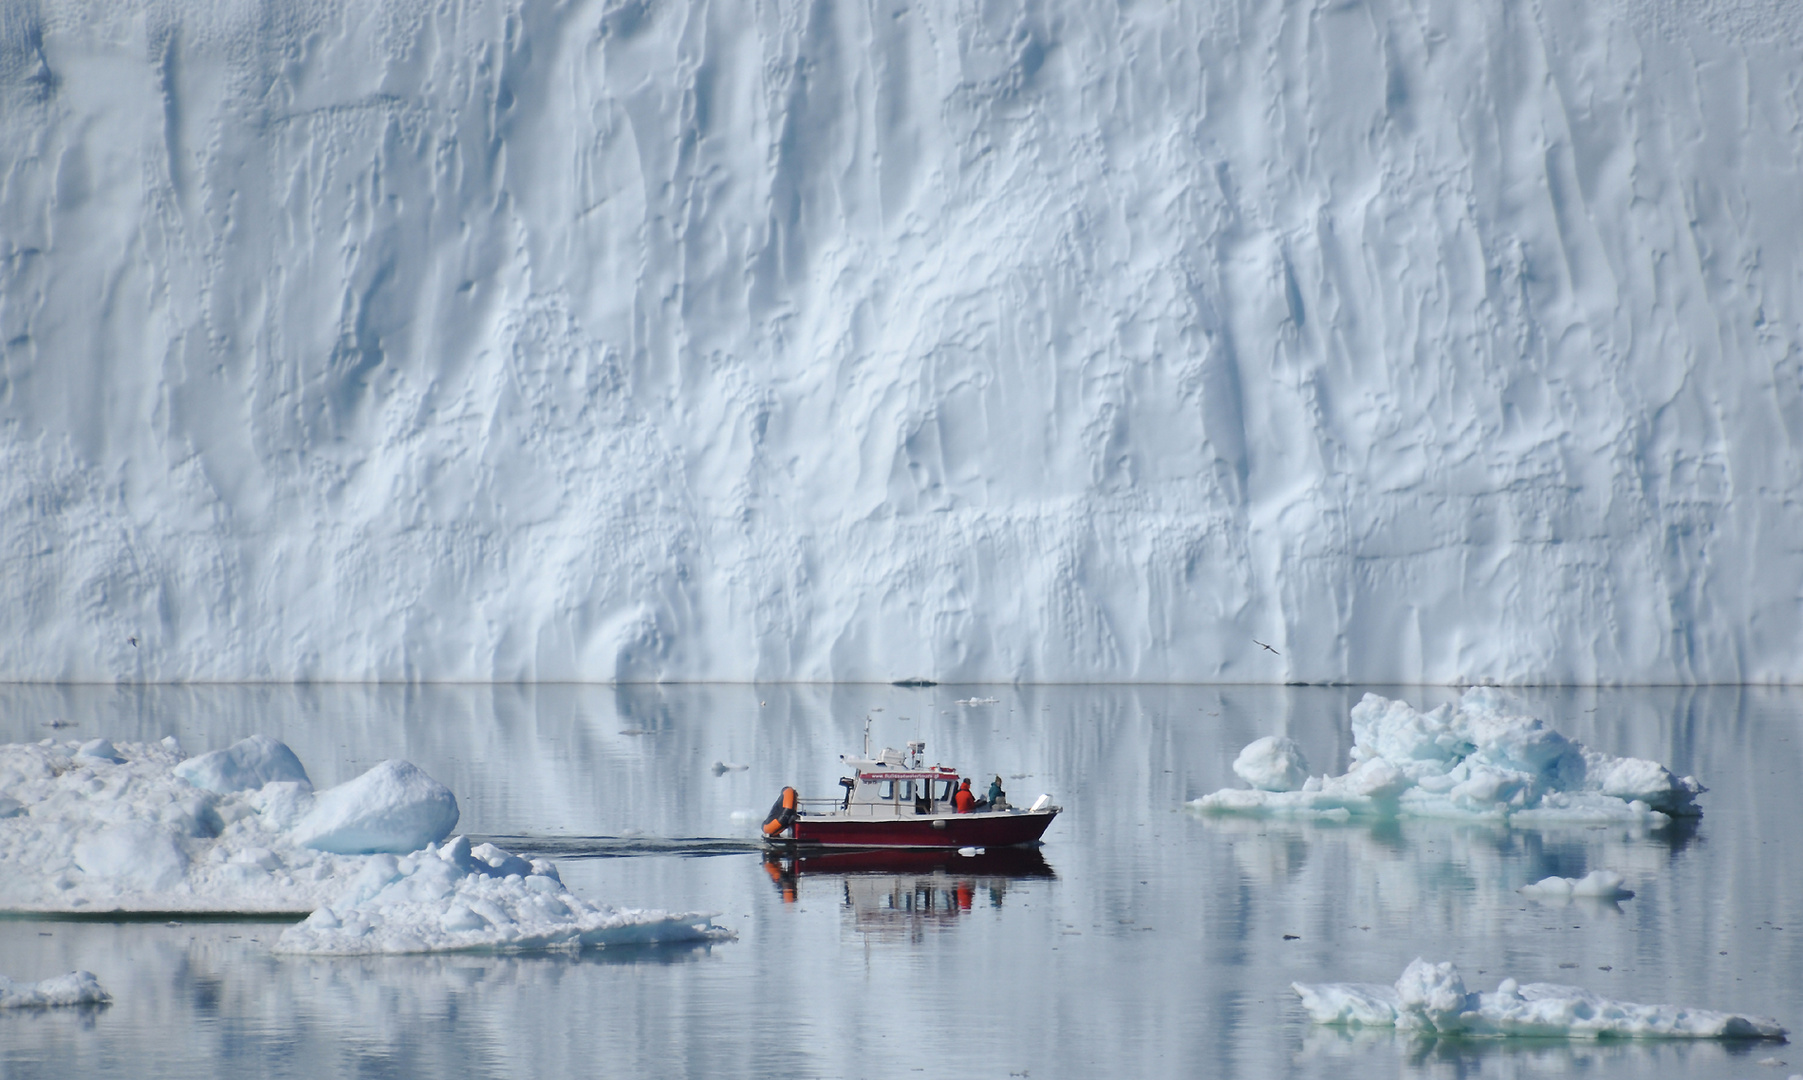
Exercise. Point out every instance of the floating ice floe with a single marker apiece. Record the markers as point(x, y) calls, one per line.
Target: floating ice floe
point(1473, 762)
point(1432, 999)
point(135, 827)
point(458, 898)
point(979, 701)
point(96, 826)
point(1598, 884)
point(75, 988)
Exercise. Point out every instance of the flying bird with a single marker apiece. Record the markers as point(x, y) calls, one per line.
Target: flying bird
point(1265, 647)
point(134, 641)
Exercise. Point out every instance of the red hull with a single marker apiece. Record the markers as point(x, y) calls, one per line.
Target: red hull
point(946, 831)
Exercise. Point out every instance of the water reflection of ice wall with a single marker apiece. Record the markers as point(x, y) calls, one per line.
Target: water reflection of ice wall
point(1042, 341)
point(554, 760)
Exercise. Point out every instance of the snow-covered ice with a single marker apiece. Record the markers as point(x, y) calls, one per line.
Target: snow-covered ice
point(136, 827)
point(421, 340)
point(1476, 761)
point(75, 988)
point(1273, 763)
point(458, 898)
point(1432, 998)
point(394, 807)
point(1598, 884)
point(246, 765)
point(139, 828)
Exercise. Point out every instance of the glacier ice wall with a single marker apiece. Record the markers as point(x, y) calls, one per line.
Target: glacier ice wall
point(1425, 340)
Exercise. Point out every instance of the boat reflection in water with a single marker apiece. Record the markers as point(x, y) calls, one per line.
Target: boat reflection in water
point(898, 894)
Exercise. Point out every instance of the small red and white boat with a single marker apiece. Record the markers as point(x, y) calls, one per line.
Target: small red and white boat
point(893, 801)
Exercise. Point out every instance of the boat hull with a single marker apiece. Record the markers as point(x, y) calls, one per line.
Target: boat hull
point(1003, 829)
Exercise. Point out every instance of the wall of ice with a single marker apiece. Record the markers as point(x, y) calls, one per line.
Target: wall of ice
point(1052, 341)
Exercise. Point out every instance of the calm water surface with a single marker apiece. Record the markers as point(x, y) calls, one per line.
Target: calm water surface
point(1140, 940)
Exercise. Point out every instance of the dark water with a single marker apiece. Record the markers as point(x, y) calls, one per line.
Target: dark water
point(1141, 940)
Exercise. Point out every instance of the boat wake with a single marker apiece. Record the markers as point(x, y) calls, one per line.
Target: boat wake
point(620, 847)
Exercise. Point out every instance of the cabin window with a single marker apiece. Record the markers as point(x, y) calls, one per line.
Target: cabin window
point(907, 790)
point(945, 791)
point(886, 790)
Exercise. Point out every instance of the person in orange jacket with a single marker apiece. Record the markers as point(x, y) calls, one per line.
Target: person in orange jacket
point(964, 802)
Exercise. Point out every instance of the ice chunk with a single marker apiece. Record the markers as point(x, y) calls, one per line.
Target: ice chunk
point(394, 807)
point(1475, 762)
point(1600, 884)
point(1273, 763)
point(1432, 998)
point(75, 988)
point(99, 750)
point(455, 898)
point(245, 765)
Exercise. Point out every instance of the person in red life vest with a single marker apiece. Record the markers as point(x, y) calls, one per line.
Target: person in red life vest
point(964, 802)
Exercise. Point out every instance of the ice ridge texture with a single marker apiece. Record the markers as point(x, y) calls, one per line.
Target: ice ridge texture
point(1059, 341)
point(1478, 761)
point(1432, 999)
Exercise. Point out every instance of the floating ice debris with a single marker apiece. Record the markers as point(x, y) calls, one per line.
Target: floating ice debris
point(721, 768)
point(123, 830)
point(75, 988)
point(1471, 762)
point(1273, 763)
point(978, 701)
point(455, 898)
point(1432, 998)
point(1600, 884)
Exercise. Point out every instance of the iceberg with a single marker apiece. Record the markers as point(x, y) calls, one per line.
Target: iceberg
point(1473, 762)
point(1432, 999)
point(457, 898)
point(75, 988)
point(140, 828)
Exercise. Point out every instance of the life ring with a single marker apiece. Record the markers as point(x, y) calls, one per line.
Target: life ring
point(782, 813)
